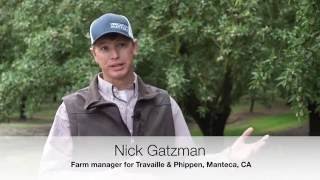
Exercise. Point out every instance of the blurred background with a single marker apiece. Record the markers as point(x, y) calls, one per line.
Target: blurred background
point(229, 64)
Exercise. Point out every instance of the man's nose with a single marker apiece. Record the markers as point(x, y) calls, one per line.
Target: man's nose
point(114, 54)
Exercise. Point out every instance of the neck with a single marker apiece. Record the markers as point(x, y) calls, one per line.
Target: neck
point(121, 84)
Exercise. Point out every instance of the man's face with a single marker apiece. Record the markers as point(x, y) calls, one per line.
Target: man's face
point(115, 55)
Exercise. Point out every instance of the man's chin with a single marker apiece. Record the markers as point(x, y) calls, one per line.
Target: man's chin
point(119, 75)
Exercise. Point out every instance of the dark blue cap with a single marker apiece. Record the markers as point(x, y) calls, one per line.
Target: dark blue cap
point(110, 23)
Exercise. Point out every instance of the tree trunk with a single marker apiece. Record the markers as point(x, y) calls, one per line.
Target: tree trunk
point(214, 121)
point(314, 119)
point(23, 116)
point(252, 101)
point(213, 124)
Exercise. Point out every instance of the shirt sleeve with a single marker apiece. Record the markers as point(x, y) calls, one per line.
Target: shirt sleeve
point(61, 124)
point(180, 125)
point(58, 147)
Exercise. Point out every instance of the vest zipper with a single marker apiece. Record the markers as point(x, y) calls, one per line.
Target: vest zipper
point(122, 119)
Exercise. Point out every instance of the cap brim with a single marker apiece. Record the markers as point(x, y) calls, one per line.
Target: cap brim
point(111, 32)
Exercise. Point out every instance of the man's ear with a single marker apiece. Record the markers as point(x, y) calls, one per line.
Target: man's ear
point(136, 47)
point(92, 51)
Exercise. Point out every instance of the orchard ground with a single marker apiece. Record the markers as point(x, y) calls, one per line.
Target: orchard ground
point(276, 119)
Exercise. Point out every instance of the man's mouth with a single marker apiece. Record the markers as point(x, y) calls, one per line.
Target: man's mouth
point(117, 67)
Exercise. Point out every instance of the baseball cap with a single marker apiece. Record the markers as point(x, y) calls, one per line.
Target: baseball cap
point(110, 23)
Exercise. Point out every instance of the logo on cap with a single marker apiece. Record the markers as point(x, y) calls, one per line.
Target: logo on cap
point(119, 26)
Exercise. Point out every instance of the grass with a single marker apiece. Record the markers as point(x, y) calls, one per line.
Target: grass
point(265, 125)
point(195, 131)
point(262, 125)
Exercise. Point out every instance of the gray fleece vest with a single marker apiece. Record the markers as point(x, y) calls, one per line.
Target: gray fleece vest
point(90, 115)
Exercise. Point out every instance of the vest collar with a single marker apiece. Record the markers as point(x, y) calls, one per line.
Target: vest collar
point(94, 99)
point(106, 88)
point(145, 91)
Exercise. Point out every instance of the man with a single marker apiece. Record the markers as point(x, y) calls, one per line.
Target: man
point(117, 101)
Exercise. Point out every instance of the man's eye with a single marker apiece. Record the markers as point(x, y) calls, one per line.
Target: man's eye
point(122, 45)
point(104, 48)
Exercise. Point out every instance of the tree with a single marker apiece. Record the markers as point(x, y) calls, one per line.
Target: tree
point(207, 51)
point(8, 49)
point(46, 49)
point(48, 46)
point(296, 73)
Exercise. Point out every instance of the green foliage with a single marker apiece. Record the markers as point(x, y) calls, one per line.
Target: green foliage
point(213, 51)
point(44, 37)
point(196, 43)
point(293, 65)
